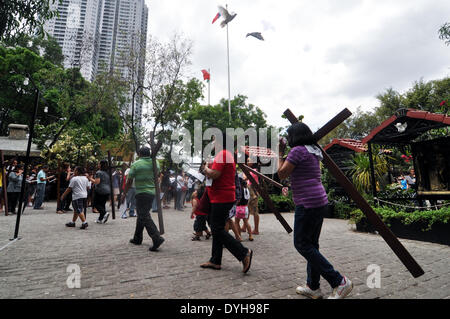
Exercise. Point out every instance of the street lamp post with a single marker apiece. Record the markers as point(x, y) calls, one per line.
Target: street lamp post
point(27, 158)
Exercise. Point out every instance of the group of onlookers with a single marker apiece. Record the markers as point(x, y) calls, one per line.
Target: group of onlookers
point(179, 187)
point(407, 181)
point(35, 185)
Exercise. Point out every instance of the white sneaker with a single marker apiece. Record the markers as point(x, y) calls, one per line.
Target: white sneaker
point(308, 292)
point(98, 221)
point(105, 218)
point(341, 291)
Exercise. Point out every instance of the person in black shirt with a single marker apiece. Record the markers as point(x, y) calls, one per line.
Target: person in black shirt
point(64, 204)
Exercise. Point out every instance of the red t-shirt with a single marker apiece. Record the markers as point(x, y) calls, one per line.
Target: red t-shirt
point(223, 189)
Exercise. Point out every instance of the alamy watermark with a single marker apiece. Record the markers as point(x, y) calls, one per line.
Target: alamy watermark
point(74, 279)
point(374, 279)
point(236, 140)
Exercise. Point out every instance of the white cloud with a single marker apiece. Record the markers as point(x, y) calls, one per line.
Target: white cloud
point(318, 56)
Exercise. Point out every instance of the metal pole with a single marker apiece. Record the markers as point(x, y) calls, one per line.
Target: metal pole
point(5, 194)
point(209, 87)
point(58, 185)
point(228, 58)
point(27, 162)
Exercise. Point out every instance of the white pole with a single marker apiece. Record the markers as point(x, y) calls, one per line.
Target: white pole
point(228, 57)
point(209, 86)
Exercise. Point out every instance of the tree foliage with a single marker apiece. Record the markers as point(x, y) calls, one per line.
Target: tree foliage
point(76, 147)
point(432, 96)
point(67, 101)
point(19, 17)
point(444, 33)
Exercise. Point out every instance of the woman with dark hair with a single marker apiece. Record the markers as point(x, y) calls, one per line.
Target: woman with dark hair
point(66, 175)
point(14, 186)
point(221, 177)
point(311, 204)
point(102, 191)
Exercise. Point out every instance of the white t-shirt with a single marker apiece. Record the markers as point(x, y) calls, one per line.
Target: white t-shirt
point(79, 186)
point(180, 181)
point(126, 175)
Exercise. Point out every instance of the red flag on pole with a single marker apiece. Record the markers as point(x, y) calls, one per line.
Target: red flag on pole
point(206, 75)
point(216, 17)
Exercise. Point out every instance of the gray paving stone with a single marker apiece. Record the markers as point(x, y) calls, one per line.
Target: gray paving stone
point(36, 265)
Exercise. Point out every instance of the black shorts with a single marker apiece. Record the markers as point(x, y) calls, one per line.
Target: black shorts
point(78, 205)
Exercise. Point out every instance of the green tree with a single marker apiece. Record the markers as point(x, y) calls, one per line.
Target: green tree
point(390, 101)
point(20, 17)
point(444, 33)
point(360, 171)
point(244, 115)
point(76, 147)
point(69, 100)
point(51, 51)
point(356, 127)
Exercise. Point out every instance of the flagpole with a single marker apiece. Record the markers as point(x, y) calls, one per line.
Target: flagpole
point(228, 58)
point(209, 86)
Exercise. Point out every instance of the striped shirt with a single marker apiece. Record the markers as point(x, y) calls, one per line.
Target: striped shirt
point(306, 183)
point(142, 173)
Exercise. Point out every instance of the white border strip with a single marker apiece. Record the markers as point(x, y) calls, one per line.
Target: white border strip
point(11, 242)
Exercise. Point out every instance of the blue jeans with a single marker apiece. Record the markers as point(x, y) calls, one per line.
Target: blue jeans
point(307, 227)
point(154, 204)
point(40, 193)
point(131, 200)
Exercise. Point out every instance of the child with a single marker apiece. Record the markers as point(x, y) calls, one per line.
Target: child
point(200, 216)
point(78, 185)
point(242, 209)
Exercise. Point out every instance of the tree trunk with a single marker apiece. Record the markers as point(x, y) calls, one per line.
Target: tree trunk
point(158, 193)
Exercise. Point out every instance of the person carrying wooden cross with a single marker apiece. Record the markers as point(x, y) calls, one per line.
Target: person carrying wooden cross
point(311, 203)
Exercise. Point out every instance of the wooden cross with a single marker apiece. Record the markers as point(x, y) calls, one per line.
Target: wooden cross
point(263, 193)
point(373, 218)
point(111, 194)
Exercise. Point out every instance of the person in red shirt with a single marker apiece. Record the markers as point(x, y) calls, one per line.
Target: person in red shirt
point(200, 216)
point(222, 197)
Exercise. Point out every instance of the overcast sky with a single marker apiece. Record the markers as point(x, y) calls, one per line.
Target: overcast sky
point(318, 56)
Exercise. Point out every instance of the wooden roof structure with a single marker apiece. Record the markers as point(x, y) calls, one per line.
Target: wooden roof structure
point(417, 122)
point(354, 145)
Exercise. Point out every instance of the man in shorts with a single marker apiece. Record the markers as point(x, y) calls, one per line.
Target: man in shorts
point(78, 185)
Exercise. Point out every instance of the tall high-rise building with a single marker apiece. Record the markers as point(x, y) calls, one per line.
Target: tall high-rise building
point(76, 30)
point(103, 35)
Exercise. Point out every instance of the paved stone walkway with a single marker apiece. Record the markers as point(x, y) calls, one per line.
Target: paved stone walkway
point(36, 265)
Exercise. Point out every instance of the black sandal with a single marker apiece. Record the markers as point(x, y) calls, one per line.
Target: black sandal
point(194, 238)
point(210, 265)
point(250, 255)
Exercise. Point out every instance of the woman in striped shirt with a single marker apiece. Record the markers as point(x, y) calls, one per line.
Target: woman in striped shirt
point(311, 203)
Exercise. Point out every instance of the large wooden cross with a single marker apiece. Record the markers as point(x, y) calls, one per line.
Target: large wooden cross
point(373, 218)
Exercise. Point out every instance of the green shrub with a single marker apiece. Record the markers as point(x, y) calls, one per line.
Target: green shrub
point(429, 217)
point(342, 210)
point(282, 203)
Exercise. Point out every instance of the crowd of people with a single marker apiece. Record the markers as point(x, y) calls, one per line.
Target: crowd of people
point(224, 201)
point(36, 181)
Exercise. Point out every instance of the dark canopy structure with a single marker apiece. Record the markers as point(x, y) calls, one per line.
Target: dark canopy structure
point(405, 126)
point(431, 157)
